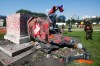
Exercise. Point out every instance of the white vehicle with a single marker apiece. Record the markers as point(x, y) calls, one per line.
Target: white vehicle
point(94, 23)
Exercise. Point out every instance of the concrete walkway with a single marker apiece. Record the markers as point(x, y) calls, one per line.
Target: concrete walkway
point(79, 30)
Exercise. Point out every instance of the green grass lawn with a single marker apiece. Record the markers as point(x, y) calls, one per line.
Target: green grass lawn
point(95, 27)
point(93, 46)
point(1, 35)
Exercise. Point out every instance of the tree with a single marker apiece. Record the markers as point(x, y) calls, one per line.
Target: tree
point(73, 21)
point(96, 20)
point(61, 18)
point(23, 11)
point(68, 21)
point(99, 19)
point(41, 15)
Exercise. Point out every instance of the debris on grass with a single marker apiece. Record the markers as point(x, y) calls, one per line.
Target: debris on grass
point(84, 61)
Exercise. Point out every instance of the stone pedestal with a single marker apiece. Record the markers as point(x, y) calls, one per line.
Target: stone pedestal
point(15, 49)
point(17, 28)
point(11, 53)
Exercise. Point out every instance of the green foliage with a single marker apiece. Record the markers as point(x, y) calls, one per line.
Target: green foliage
point(61, 18)
point(2, 35)
point(23, 11)
point(97, 19)
point(40, 14)
point(72, 21)
point(68, 21)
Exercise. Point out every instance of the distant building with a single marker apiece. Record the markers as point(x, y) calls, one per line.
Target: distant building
point(88, 17)
point(2, 20)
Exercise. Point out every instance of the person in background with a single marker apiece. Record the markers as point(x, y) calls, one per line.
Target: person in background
point(69, 27)
point(89, 30)
point(77, 25)
point(62, 28)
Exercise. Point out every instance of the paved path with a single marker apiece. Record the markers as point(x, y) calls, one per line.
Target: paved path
point(80, 30)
